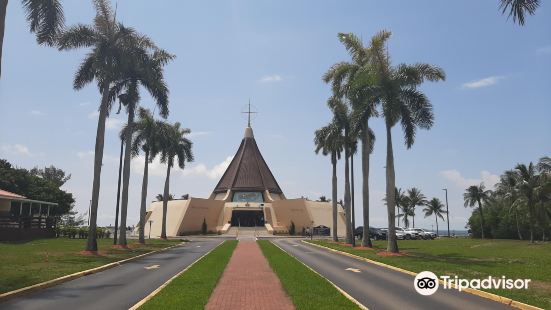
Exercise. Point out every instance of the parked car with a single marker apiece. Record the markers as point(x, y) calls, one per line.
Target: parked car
point(374, 233)
point(400, 235)
point(322, 230)
point(409, 233)
point(424, 234)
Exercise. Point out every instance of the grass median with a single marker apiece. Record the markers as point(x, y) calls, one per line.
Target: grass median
point(32, 262)
point(307, 289)
point(192, 289)
point(472, 259)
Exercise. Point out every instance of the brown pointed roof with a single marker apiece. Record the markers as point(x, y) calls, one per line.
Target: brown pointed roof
point(248, 171)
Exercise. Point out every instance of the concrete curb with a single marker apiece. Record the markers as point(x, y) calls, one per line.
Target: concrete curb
point(160, 288)
point(483, 294)
point(76, 275)
point(345, 294)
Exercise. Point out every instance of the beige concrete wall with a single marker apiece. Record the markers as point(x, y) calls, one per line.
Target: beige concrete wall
point(184, 216)
point(200, 209)
point(294, 210)
point(322, 214)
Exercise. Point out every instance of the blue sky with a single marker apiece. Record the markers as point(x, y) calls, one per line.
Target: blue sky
point(492, 112)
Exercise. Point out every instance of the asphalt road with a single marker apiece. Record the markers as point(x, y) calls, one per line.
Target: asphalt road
point(378, 287)
point(117, 288)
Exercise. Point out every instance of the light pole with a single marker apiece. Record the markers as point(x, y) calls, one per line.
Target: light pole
point(447, 211)
point(150, 221)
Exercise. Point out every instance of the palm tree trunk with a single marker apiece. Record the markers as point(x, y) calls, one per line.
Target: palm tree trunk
point(531, 219)
point(481, 218)
point(413, 217)
point(118, 194)
point(91, 244)
point(334, 195)
point(353, 213)
point(518, 228)
point(366, 240)
point(390, 191)
point(126, 173)
point(144, 197)
point(347, 194)
point(165, 200)
point(436, 224)
point(3, 8)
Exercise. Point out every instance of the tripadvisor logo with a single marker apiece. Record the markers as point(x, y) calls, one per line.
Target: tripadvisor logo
point(426, 283)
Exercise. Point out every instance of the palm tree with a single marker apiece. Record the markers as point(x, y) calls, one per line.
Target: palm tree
point(528, 181)
point(403, 102)
point(436, 207)
point(401, 201)
point(114, 49)
point(518, 8)
point(344, 76)
point(160, 197)
point(46, 20)
point(342, 119)
point(329, 141)
point(145, 130)
point(173, 143)
point(477, 195)
point(507, 187)
point(147, 72)
point(415, 198)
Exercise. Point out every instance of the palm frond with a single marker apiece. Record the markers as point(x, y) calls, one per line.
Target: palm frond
point(45, 18)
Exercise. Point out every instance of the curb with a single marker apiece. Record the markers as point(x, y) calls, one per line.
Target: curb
point(76, 275)
point(483, 294)
point(345, 294)
point(160, 288)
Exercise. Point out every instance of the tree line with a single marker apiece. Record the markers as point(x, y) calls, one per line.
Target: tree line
point(518, 207)
point(39, 184)
point(366, 87)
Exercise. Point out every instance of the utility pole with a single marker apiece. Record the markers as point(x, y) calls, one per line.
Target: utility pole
point(118, 195)
point(447, 211)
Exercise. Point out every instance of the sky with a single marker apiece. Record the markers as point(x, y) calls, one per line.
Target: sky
point(492, 112)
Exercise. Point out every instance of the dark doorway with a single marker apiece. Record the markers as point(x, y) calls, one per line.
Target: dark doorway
point(247, 218)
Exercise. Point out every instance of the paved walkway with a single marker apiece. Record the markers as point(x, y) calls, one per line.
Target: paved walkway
point(248, 282)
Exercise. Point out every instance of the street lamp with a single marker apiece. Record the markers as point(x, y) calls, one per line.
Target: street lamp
point(447, 211)
point(150, 222)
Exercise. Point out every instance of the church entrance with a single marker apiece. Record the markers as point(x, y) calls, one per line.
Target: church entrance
point(247, 218)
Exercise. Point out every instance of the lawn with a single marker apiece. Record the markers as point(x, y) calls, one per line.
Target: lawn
point(32, 262)
point(474, 258)
point(307, 289)
point(192, 289)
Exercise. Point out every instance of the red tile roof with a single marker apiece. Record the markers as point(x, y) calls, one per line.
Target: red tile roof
point(6, 194)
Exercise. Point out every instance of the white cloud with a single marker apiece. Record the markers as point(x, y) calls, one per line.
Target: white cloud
point(110, 124)
point(16, 149)
point(93, 115)
point(36, 112)
point(271, 78)
point(485, 82)
point(155, 168)
point(460, 181)
point(114, 123)
point(202, 170)
point(195, 134)
point(544, 50)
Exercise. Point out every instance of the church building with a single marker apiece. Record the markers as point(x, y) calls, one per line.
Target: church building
point(247, 195)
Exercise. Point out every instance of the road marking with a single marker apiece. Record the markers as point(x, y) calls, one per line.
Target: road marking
point(152, 267)
point(356, 270)
point(198, 246)
point(295, 244)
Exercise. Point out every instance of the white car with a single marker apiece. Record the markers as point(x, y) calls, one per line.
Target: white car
point(425, 234)
point(399, 233)
point(409, 233)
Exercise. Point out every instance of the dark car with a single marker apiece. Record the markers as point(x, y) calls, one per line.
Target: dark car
point(374, 233)
point(322, 230)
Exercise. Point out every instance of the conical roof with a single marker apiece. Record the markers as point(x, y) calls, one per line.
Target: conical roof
point(248, 171)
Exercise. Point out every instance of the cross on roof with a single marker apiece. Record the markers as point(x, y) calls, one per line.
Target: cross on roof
point(249, 114)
